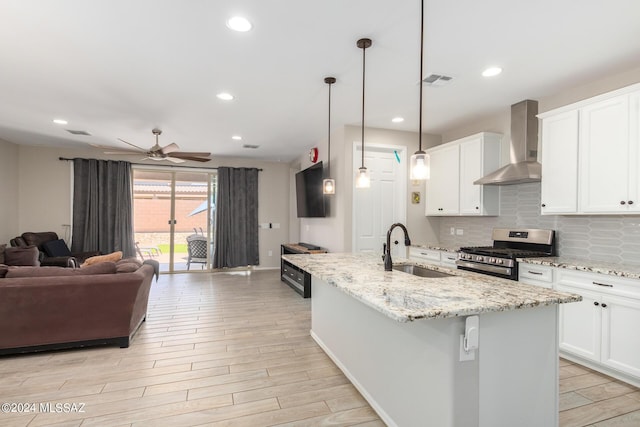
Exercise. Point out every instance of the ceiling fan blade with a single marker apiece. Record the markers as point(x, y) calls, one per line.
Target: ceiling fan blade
point(174, 159)
point(133, 145)
point(182, 154)
point(194, 158)
point(124, 152)
point(170, 148)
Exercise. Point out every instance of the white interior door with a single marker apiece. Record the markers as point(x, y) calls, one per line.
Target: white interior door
point(376, 208)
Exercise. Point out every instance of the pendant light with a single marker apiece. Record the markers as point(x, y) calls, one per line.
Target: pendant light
point(420, 161)
point(329, 184)
point(362, 176)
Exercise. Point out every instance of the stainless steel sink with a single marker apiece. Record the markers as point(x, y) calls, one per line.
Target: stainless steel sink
point(420, 271)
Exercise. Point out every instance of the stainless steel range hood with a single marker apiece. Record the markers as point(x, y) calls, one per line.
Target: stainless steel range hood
point(524, 166)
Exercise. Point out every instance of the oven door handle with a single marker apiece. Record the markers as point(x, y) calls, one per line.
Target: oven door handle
point(484, 267)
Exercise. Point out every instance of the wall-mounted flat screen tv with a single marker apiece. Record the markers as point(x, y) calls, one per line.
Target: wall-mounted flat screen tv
point(309, 197)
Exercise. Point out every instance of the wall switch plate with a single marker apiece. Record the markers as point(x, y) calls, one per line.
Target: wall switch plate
point(452, 231)
point(264, 225)
point(276, 225)
point(459, 231)
point(466, 356)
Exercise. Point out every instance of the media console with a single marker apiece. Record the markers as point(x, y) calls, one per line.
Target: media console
point(294, 276)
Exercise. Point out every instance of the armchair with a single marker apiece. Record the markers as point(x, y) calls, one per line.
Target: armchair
point(53, 251)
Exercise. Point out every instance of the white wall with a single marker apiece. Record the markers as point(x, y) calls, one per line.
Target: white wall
point(334, 231)
point(8, 191)
point(44, 184)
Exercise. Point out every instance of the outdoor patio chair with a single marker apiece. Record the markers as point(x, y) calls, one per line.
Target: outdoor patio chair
point(197, 250)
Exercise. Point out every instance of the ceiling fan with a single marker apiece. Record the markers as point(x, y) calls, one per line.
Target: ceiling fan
point(169, 152)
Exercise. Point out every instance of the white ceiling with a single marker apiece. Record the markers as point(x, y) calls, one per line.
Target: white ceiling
point(118, 68)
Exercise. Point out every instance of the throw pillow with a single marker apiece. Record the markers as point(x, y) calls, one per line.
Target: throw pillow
point(101, 268)
point(56, 248)
point(131, 260)
point(27, 255)
point(2, 247)
point(113, 257)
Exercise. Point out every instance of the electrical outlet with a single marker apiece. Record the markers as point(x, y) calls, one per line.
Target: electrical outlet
point(459, 231)
point(452, 231)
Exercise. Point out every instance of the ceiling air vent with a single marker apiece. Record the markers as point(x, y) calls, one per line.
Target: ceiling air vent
point(78, 132)
point(437, 80)
point(250, 146)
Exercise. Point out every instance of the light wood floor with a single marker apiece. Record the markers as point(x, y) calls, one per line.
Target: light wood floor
point(234, 350)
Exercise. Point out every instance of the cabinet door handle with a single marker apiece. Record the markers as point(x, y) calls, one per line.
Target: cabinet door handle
point(622, 202)
point(452, 258)
point(537, 273)
point(604, 305)
point(477, 208)
point(596, 303)
point(544, 206)
point(602, 284)
point(630, 202)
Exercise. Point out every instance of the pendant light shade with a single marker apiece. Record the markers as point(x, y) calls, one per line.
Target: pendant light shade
point(329, 184)
point(362, 175)
point(420, 166)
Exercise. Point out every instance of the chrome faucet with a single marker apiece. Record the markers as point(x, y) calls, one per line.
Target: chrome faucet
point(388, 264)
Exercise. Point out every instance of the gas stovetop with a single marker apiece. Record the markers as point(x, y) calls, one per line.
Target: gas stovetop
point(508, 245)
point(503, 252)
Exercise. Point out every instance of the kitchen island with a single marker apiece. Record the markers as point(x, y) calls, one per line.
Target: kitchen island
point(398, 338)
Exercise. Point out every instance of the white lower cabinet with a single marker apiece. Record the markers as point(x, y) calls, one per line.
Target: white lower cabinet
point(433, 256)
point(601, 328)
point(533, 274)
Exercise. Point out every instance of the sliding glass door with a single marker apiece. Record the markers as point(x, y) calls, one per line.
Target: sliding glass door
point(174, 216)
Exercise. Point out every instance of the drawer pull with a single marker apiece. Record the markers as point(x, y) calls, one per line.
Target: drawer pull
point(537, 273)
point(452, 258)
point(596, 303)
point(602, 284)
point(604, 305)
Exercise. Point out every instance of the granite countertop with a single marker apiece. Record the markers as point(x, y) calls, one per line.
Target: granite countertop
point(612, 269)
point(404, 297)
point(437, 247)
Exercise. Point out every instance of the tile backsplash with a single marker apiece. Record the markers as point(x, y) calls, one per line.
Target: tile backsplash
point(610, 238)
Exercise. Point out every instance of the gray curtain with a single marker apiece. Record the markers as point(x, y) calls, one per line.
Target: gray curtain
point(102, 207)
point(236, 235)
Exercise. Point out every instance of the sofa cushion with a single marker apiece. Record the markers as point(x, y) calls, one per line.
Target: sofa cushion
point(113, 257)
point(56, 248)
point(130, 260)
point(38, 238)
point(3, 270)
point(2, 247)
point(27, 256)
point(127, 267)
point(100, 268)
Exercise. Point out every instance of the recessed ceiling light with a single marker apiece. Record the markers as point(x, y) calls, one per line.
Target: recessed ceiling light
point(225, 96)
point(237, 137)
point(60, 121)
point(238, 23)
point(397, 119)
point(491, 71)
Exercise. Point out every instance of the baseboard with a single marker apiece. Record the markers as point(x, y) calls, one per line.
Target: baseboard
point(600, 368)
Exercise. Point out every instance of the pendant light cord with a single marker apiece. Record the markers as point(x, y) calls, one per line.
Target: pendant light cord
point(364, 48)
point(421, 61)
point(329, 136)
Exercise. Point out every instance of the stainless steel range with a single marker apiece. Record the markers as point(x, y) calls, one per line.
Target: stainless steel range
point(508, 244)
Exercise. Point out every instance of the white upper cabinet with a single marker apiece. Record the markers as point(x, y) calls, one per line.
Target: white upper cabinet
point(479, 156)
point(442, 186)
point(454, 167)
point(591, 155)
point(605, 157)
point(559, 186)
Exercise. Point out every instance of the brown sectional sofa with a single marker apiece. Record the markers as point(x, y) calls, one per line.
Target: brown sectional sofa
point(55, 307)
